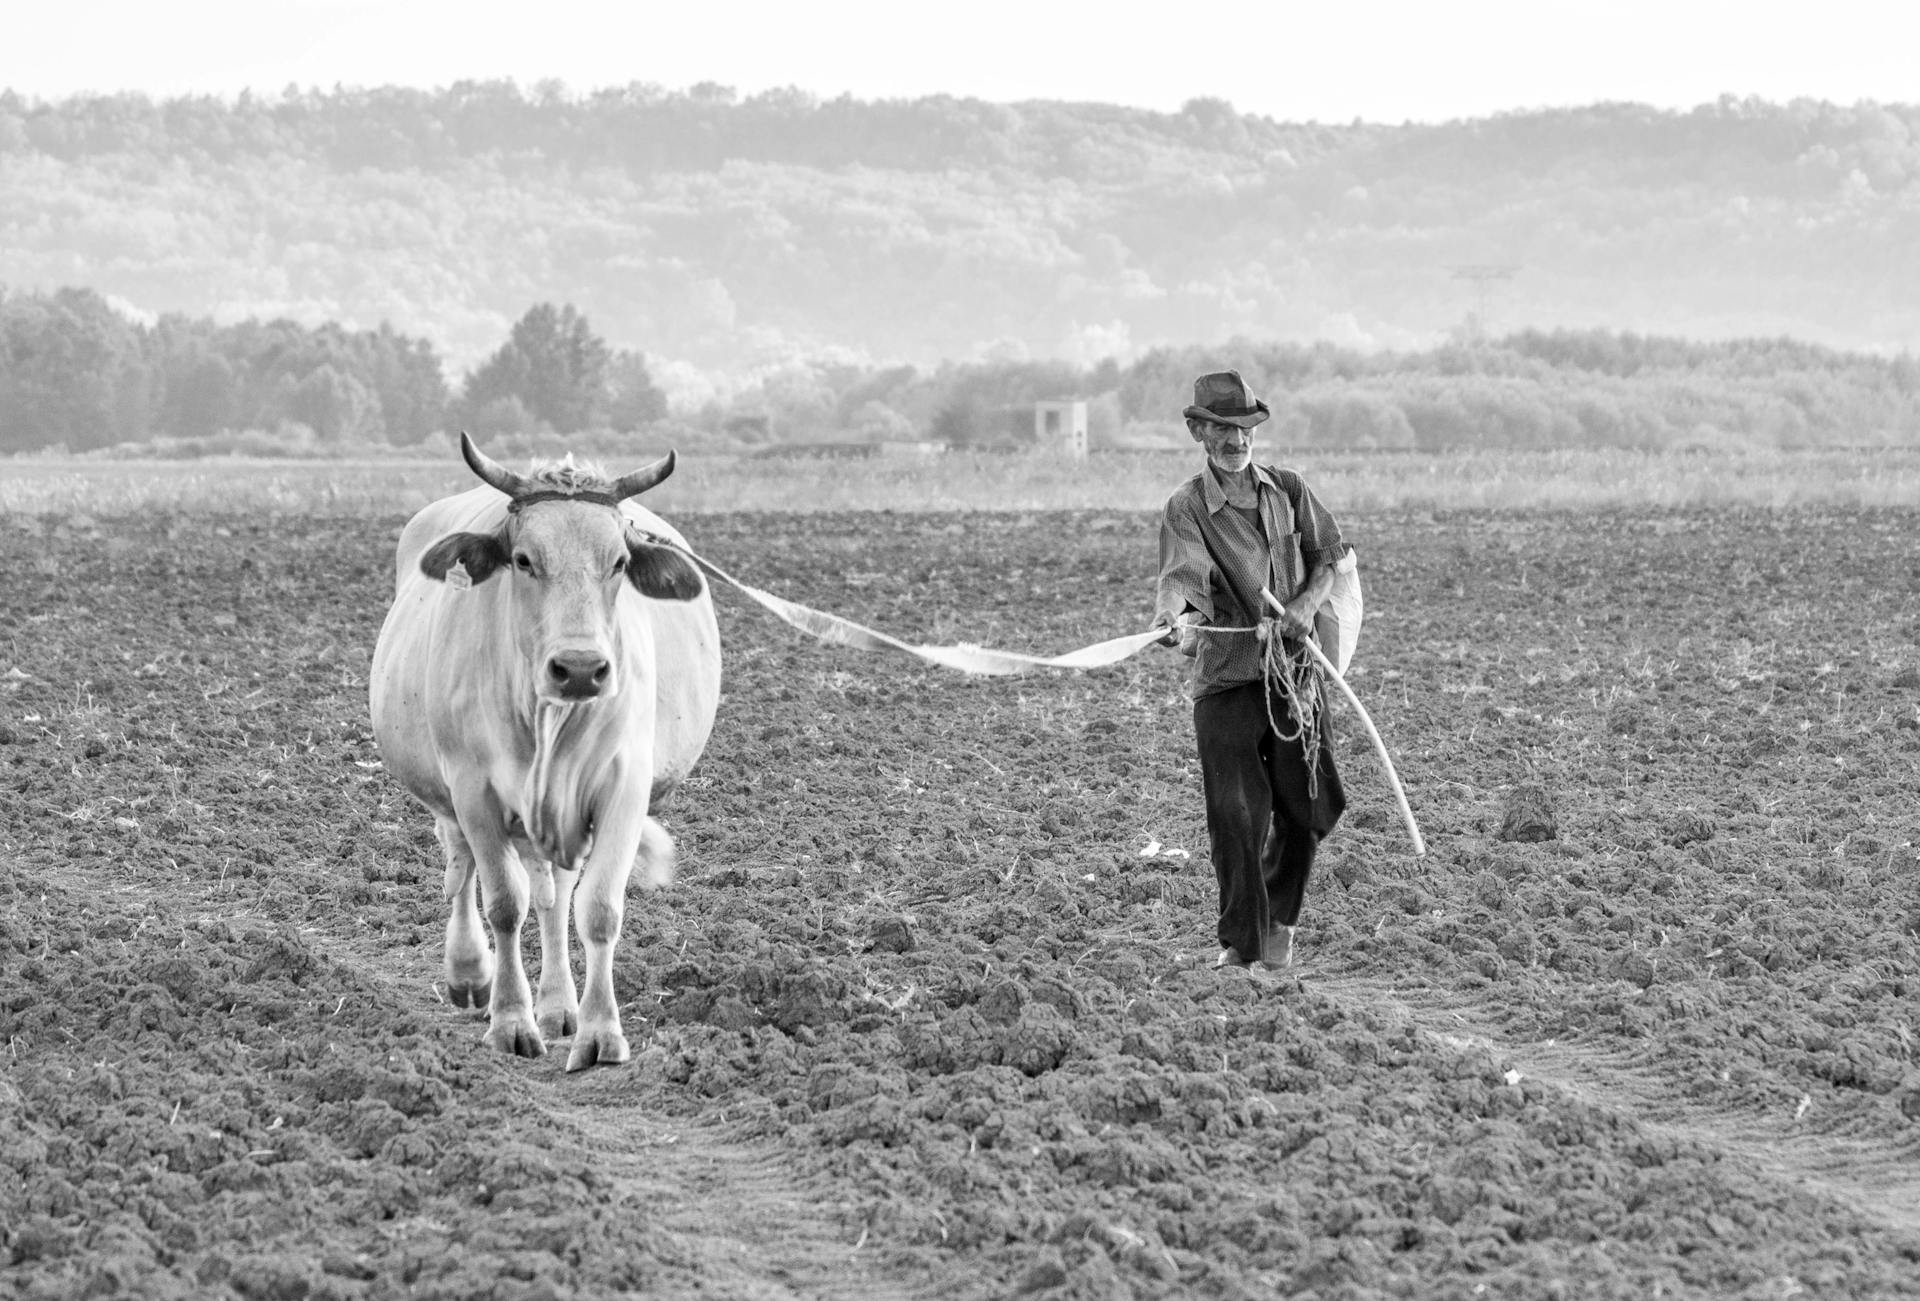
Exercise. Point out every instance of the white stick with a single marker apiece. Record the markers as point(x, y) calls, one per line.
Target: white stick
point(1379, 746)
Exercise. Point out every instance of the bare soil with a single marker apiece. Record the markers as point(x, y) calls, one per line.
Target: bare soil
point(922, 1015)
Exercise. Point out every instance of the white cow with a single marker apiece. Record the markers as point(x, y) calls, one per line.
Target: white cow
point(546, 671)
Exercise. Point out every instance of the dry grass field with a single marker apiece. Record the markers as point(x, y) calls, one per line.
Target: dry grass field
point(928, 1011)
point(1005, 481)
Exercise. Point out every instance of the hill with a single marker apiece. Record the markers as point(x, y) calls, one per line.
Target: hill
point(721, 234)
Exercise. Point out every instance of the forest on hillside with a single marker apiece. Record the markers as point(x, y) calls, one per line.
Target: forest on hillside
point(726, 237)
point(78, 376)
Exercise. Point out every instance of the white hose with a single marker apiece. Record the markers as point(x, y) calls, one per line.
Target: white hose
point(1379, 746)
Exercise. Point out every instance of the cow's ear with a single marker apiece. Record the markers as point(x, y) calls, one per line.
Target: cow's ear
point(661, 572)
point(480, 554)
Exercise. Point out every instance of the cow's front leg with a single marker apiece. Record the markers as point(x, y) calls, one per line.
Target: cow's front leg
point(557, 1009)
point(599, 906)
point(503, 899)
point(468, 965)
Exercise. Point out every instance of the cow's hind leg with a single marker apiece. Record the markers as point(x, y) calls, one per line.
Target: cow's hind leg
point(468, 966)
point(557, 1007)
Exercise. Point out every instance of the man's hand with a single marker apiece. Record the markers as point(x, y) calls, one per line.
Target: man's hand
point(1294, 619)
point(1183, 632)
point(1188, 626)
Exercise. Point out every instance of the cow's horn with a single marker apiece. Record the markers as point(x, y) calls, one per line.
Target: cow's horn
point(491, 471)
point(632, 485)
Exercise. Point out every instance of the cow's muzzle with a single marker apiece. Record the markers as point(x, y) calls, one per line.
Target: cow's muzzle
point(577, 675)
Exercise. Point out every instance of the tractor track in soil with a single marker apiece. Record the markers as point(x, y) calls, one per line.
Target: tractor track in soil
point(1876, 1178)
point(738, 1223)
point(745, 1224)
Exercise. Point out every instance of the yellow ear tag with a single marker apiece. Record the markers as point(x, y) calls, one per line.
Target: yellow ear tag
point(458, 578)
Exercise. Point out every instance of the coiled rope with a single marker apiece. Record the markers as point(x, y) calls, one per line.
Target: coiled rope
point(1287, 671)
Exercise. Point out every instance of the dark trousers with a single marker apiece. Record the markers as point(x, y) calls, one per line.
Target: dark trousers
point(1263, 822)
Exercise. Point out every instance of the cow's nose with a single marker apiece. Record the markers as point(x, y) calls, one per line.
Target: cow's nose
point(578, 675)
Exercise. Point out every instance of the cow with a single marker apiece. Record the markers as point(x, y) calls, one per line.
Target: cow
point(549, 669)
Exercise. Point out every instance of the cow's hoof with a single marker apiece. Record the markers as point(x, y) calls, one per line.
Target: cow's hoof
point(559, 1023)
point(518, 1036)
point(603, 1048)
point(470, 995)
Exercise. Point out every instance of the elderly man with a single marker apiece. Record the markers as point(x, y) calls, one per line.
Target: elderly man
point(1271, 788)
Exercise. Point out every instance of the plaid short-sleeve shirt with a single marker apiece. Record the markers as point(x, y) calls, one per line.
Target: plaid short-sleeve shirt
point(1216, 560)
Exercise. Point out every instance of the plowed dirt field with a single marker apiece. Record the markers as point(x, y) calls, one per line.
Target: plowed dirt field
point(929, 1010)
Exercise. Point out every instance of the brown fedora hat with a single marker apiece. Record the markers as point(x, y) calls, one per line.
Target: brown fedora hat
point(1223, 397)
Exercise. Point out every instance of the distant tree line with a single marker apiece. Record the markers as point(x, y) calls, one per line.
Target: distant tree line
point(1568, 388)
point(75, 373)
point(1532, 389)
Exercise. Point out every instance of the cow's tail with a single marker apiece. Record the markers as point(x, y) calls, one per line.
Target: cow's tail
point(653, 862)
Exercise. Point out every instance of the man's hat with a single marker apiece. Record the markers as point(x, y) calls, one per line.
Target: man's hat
point(1223, 396)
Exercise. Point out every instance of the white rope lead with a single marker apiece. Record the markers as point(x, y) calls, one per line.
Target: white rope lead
point(834, 630)
point(965, 657)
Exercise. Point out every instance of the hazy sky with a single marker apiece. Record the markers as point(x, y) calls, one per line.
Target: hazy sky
point(1328, 60)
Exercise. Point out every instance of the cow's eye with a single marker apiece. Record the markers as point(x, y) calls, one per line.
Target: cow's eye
point(523, 562)
point(620, 566)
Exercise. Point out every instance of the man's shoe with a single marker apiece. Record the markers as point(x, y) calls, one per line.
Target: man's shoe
point(1228, 958)
point(1278, 953)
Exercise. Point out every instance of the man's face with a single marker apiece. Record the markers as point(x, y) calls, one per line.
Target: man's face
point(1229, 447)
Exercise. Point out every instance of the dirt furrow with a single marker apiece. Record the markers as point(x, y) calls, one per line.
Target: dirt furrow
point(729, 1217)
point(744, 1223)
point(737, 1221)
point(1804, 1147)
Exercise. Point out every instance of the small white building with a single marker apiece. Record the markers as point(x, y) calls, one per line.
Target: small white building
point(1061, 425)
